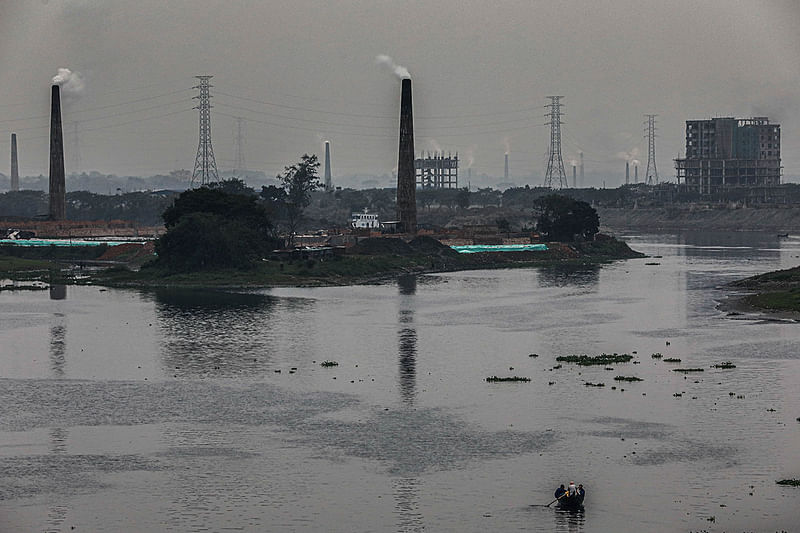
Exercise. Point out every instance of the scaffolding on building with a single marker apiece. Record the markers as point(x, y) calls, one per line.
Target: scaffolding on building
point(437, 171)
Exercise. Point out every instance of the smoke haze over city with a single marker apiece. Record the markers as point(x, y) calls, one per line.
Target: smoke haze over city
point(303, 72)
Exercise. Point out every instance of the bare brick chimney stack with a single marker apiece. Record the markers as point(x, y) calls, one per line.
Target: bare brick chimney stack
point(14, 164)
point(406, 175)
point(58, 189)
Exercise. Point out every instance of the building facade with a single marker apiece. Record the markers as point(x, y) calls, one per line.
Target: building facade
point(723, 154)
point(437, 171)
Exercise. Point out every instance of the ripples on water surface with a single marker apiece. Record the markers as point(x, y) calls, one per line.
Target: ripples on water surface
point(196, 410)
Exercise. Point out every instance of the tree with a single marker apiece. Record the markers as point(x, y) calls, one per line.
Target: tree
point(232, 186)
point(564, 219)
point(299, 181)
point(210, 228)
point(274, 199)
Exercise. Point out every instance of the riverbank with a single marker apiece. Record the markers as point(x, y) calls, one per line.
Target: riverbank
point(776, 292)
point(701, 217)
point(372, 261)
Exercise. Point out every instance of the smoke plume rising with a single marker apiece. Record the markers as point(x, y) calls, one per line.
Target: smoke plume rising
point(630, 155)
point(399, 71)
point(71, 83)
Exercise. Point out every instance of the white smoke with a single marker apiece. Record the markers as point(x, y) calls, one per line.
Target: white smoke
point(399, 71)
point(630, 155)
point(507, 144)
point(635, 162)
point(71, 83)
point(469, 156)
point(435, 146)
point(573, 163)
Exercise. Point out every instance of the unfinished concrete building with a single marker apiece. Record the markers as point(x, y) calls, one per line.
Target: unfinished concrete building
point(726, 154)
point(437, 171)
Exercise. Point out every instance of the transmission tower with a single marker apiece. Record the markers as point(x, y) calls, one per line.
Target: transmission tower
point(238, 143)
point(555, 163)
point(651, 176)
point(205, 166)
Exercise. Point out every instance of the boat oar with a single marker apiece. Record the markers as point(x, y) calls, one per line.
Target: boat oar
point(554, 501)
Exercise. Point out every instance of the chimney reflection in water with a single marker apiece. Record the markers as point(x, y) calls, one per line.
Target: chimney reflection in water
point(407, 338)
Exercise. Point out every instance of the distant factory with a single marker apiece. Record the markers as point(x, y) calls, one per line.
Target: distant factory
point(729, 153)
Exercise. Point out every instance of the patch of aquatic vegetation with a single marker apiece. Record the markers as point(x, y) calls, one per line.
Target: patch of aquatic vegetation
point(672, 360)
point(590, 360)
point(533, 355)
point(789, 482)
point(725, 364)
point(511, 379)
point(688, 370)
point(657, 355)
point(627, 378)
point(329, 363)
point(590, 384)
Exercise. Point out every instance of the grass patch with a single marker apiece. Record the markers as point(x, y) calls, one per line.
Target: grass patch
point(788, 300)
point(657, 355)
point(725, 364)
point(672, 360)
point(789, 482)
point(329, 363)
point(627, 378)
point(18, 264)
point(512, 379)
point(686, 370)
point(590, 360)
point(590, 384)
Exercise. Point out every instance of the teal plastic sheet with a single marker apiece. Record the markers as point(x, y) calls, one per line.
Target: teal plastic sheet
point(477, 248)
point(59, 242)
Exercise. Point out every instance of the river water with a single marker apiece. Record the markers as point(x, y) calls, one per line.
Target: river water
point(124, 410)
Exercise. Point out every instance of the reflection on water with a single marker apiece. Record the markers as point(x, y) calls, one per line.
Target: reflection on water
point(406, 491)
point(58, 292)
point(58, 345)
point(570, 275)
point(217, 333)
point(570, 520)
point(407, 338)
point(443, 449)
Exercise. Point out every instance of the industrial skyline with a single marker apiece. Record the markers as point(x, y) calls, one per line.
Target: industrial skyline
point(135, 110)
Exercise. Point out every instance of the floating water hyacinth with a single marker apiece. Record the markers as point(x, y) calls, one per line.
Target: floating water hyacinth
point(589, 360)
point(495, 379)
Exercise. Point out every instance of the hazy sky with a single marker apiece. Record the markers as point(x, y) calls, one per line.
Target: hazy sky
point(303, 71)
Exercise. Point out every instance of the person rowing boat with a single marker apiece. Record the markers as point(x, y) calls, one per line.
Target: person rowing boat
point(570, 497)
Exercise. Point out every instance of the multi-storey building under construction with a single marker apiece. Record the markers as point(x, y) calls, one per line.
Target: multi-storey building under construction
point(729, 153)
point(437, 171)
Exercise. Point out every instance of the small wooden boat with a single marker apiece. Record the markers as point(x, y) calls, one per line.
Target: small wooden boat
point(571, 503)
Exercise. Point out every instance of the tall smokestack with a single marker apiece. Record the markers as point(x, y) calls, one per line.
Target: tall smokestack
point(58, 190)
point(328, 185)
point(635, 173)
point(581, 154)
point(505, 173)
point(627, 172)
point(574, 177)
point(14, 164)
point(406, 179)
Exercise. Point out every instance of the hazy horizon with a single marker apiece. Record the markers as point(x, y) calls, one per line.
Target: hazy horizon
point(306, 72)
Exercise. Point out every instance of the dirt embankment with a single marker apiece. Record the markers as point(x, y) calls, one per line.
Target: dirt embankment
point(678, 218)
